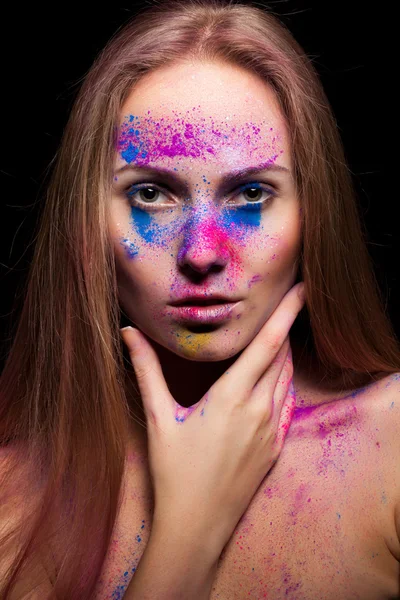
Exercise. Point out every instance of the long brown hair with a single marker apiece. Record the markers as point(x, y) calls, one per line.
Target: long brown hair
point(64, 409)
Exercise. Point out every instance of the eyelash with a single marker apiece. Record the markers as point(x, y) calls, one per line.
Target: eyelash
point(135, 188)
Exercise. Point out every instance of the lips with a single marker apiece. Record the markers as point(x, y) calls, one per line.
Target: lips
point(202, 301)
point(212, 310)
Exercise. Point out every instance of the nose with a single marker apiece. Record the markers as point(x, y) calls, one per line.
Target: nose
point(205, 247)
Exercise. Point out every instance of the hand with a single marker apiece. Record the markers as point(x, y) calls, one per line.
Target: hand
point(207, 464)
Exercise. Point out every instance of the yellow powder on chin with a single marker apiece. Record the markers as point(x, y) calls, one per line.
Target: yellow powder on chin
point(191, 343)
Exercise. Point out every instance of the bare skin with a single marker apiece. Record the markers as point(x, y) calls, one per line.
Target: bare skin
point(322, 523)
point(196, 233)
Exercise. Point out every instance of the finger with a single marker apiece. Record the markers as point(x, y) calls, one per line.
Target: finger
point(153, 388)
point(269, 378)
point(284, 404)
point(282, 386)
point(258, 355)
point(273, 384)
point(286, 416)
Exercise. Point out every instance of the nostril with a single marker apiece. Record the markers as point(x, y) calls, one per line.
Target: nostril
point(197, 274)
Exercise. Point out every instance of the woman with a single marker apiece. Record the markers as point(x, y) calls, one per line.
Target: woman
point(263, 465)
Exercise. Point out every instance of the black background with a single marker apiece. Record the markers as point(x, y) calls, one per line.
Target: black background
point(49, 49)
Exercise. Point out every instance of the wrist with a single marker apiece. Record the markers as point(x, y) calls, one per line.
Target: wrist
point(185, 532)
point(177, 564)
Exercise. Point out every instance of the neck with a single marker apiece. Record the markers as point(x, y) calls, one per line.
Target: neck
point(189, 380)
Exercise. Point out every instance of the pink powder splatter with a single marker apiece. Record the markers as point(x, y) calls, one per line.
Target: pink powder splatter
point(254, 280)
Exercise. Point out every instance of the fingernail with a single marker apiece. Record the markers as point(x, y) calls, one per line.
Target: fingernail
point(126, 334)
point(301, 292)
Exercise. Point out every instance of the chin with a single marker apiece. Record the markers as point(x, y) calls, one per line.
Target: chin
point(201, 347)
point(207, 356)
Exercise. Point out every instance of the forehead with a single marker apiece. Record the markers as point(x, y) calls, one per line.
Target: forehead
point(196, 114)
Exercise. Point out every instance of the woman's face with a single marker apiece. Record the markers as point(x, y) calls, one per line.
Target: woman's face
point(182, 227)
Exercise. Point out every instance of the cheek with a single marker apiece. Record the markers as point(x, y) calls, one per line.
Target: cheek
point(262, 237)
point(154, 231)
point(140, 238)
point(142, 270)
point(274, 255)
point(140, 287)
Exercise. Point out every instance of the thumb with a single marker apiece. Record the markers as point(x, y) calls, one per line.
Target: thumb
point(153, 388)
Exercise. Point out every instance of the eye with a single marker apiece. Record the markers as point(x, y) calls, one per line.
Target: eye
point(254, 192)
point(148, 193)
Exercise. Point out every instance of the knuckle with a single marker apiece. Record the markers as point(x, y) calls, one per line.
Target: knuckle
point(267, 413)
point(142, 372)
point(262, 408)
point(272, 343)
point(152, 419)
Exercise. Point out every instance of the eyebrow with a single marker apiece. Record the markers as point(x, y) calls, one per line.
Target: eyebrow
point(227, 179)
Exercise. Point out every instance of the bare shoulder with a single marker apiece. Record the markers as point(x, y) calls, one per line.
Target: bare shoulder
point(382, 405)
point(31, 586)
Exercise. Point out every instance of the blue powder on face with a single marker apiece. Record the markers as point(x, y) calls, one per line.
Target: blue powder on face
point(246, 214)
point(130, 248)
point(150, 230)
point(242, 216)
point(131, 153)
point(145, 224)
point(235, 222)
